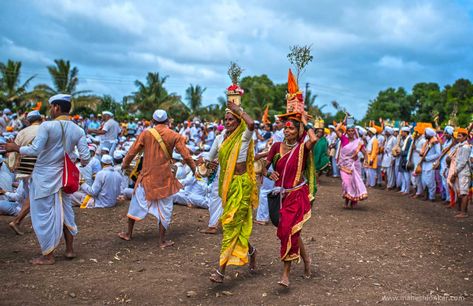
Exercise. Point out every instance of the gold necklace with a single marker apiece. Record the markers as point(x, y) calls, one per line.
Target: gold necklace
point(290, 145)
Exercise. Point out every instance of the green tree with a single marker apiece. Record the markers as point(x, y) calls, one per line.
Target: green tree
point(152, 95)
point(194, 98)
point(427, 100)
point(390, 104)
point(65, 80)
point(459, 102)
point(12, 91)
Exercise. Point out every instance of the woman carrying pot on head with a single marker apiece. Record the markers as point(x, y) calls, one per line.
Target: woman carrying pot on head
point(237, 189)
point(292, 160)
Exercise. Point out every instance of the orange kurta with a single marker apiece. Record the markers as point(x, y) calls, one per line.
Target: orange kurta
point(373, 155)
point(156, 176)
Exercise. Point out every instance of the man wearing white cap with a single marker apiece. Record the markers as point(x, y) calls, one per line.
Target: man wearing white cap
point(431, 150)
point(25, 137)
point(106, 187)
point(447, 147)
point(51, 209)
point(156, 184)
point(4, 120)
point(6, 177)
point(388, 160)
point(404, 159)
point(108, 133)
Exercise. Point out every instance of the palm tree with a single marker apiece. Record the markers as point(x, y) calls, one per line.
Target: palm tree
point(12, 93)
point(65, 80)
point(152, 95)
point(194, 97)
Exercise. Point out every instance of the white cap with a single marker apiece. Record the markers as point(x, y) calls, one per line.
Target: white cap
point(60, 97)
point(388, 129)
point(7, 111)
point(92, 147)
point(104, 149)
point(429, 132)
point(405, 129)
point(362, 131)
point(33, 113)
point(372, 130)
point(448, 129)
point(118, 154)
point(396, 129)
point(106, 159)
point(331, 126)
point(107, 113)
point(160, 115)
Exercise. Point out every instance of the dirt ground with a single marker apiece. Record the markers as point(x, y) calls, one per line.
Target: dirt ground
point(391, 250)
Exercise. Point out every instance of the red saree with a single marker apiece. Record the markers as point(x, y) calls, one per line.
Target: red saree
point(295, 209)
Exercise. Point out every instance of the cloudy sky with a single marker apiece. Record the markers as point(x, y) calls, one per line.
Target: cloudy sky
point(360, 47)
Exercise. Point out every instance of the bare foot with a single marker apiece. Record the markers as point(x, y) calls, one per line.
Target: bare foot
point(209, 230)
point(15, 228)
point(124, 236)
point(70, 255)
point(252, 265)
point(308, 269)
point(42, 260)
point(166, 244)
point(461, 216)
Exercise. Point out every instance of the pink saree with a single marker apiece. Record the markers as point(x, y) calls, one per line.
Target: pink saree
point(350, 170)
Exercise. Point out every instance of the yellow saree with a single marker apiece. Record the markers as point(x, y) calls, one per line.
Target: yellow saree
point(239, 196)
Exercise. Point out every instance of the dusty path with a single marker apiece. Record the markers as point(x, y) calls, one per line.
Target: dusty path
point(391, 246)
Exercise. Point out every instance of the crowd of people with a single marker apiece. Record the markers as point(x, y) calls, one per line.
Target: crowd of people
point(229, 167)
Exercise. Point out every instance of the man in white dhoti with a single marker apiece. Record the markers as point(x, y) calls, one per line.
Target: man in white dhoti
point(388, 160)
point(106, 187)
point(51, 209)
point(156, 184)
point(24, 138)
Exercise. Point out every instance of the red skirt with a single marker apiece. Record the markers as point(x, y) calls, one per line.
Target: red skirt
point(294, 213)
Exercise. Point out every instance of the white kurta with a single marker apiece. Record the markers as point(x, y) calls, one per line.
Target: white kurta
point(51, 209)
point(106, 188)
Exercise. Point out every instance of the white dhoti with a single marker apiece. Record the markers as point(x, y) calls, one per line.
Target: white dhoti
point(49, 215)
point(140, 207)
point(184, 197)
point(215, 204)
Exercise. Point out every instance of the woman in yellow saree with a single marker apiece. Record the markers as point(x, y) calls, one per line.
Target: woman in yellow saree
point(237, 188)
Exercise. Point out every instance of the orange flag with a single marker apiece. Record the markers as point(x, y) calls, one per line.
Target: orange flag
point(292, 87)
point(265, 119)
point(38, 106)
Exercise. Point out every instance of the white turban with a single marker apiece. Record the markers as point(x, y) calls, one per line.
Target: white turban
point(372, 130)
point(107, 113)
point(405, 129)
point(388, 129)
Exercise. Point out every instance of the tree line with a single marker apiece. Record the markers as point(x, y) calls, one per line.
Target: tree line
point(425, 102)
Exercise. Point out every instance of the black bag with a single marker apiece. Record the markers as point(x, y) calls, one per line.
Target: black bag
point(274, 204)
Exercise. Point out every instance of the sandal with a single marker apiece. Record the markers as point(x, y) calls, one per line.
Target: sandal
point(218, 277)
